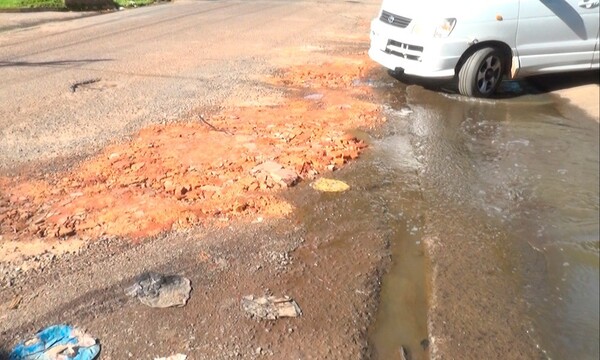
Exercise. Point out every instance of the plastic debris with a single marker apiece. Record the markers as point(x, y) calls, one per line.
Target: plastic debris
point(329, 185)
point(173, 357)
point(404, 355)
point(405, 112)
point(270, 308)
point(57, 342)
point(161, 291)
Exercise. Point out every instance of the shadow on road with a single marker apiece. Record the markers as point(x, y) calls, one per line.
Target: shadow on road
point(49, 63)
point(445, 85)
point(91, 4)
point(533, 85)
point(553, 82)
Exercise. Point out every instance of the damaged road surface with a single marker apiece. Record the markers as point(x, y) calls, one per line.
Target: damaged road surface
point(232, 179)
point(190, 154)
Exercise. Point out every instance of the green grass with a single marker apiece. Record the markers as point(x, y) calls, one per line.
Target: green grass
point(60, 4)
point(132, 3)
point(28, 4)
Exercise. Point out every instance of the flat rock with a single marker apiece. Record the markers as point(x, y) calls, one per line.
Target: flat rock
point(161, 291)
point(271, 307)
point(277, 172)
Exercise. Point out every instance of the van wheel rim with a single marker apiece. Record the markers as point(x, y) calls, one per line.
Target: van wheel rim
point(488, 74)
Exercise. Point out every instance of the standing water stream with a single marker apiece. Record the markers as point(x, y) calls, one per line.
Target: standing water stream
point(513, 185)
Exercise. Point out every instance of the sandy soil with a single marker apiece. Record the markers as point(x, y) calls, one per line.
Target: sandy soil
point(585, 97)
point(580, 90)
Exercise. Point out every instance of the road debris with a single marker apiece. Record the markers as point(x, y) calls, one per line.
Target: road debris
point(270, 308)
point(277, 172)
point(78, 84)
point(329, 185)
point(57, 342)
point(161, 291)
point(404, 112)
point(173, 357)
point(201, 117)
point(404, 354)
point(315, 96)
point(162, 180)
point(16, 301)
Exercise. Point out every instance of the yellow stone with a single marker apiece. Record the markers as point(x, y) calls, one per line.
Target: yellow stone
point(329, 185)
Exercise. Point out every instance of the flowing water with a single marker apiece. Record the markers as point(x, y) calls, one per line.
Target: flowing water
point(527, 169)
point(402, 316)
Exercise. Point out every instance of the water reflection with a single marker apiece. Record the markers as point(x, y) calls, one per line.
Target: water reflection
point(401, 321)
point(535, 174)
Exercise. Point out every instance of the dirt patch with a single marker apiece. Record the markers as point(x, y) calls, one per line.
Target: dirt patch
point(11, 251)
point(584, 97)
point(229, 164)
point(205, 169)
point(337, 294)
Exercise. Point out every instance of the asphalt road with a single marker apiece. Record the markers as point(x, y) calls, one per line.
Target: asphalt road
point(148, 65)
point(69, 88)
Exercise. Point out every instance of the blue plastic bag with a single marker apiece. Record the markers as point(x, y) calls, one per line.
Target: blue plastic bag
point(58, 342)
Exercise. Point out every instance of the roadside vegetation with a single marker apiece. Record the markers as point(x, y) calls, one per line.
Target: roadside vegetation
point(32, 4)
point(71, 5)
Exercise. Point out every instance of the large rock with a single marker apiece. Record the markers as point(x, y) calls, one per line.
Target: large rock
point(277, 172)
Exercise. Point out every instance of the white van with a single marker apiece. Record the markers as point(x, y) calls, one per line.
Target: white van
point(480, 41)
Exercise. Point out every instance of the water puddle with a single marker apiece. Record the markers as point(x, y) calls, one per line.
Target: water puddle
point(402, 314)
point(401, 322)
point(511, 185)
point(525, 180)
point(383, 202)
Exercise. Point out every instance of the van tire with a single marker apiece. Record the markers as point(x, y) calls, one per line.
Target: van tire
point(482, 73)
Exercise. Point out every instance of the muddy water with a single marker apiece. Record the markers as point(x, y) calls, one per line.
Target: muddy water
point(384, 200)
point(401, 322)
point(519, 175)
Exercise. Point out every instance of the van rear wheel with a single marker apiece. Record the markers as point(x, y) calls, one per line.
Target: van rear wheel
point(481, 74)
